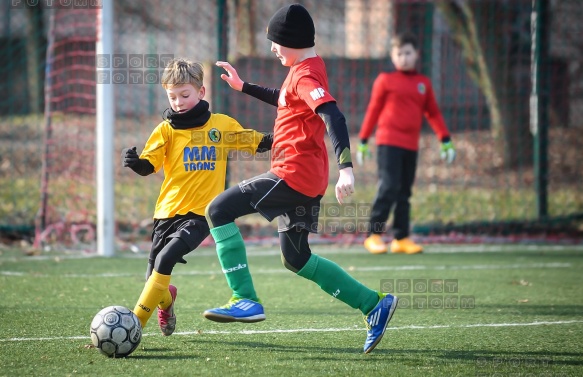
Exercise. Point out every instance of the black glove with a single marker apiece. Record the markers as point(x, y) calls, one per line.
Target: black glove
point(130, 157)
point(132, 160)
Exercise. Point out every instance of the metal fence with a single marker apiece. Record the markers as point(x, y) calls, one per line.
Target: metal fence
point(507, 76)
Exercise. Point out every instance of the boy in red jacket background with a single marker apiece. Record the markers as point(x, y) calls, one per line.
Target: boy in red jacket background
point(398, 102)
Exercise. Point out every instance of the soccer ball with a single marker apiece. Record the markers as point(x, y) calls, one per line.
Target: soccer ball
point(116, 331)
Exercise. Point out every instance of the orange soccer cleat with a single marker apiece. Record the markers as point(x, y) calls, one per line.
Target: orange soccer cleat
point(405, 246)
point(375, 244)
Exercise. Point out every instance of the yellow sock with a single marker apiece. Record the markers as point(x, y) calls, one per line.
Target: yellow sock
point(155, 290)
point(166, 300)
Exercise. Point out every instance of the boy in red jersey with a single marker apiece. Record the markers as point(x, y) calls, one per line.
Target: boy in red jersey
point(398, 102)
point(295, 184)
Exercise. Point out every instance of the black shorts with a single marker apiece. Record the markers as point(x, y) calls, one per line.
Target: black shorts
point(272, 197)
point(191, 228)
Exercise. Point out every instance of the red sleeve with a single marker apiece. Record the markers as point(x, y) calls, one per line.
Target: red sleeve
point(312, 92)
point(375, 106)
point(433, 115)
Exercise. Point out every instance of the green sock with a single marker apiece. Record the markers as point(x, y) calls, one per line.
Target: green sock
point(339, 284)
point(233, 258)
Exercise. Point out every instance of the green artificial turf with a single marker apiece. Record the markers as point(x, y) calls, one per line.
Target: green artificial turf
point(522, 314)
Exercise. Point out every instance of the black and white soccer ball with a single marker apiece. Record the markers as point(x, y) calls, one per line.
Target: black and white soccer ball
point(116, 331)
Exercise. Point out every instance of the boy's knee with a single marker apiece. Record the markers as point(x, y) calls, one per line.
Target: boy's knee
point(287, 265)
point(170, 255)
point(211, 213)
point(216, 214)
point(392, 190)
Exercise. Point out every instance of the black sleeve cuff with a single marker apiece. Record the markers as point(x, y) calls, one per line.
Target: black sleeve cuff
point(143, 167)
point(266, 143)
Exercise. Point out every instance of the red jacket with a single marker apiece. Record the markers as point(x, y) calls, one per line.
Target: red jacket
point(398, 102)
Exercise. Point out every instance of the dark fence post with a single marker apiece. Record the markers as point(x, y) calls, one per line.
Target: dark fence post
point(221, 97)
point(539, 100)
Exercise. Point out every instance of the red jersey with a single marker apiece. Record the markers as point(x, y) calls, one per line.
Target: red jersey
point(299, 154)
point(398, 102)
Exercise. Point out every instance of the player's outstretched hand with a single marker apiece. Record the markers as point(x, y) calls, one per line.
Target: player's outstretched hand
point(233, 77)
point(345, 185)
point(448, 152)
point(130, 157)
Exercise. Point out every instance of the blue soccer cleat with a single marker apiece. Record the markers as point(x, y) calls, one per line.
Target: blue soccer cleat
point(237, 310)
point(378, 319)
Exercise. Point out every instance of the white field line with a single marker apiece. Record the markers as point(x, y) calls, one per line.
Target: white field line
point(515, 266)
point(271, 250)
point(311, 330)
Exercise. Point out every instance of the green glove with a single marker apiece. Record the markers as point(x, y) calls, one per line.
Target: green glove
point(448, 152)
point(363, 153)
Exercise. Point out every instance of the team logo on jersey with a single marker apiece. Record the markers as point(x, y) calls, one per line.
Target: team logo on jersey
point(214, 135)
point(281, 98)
point(421, 88)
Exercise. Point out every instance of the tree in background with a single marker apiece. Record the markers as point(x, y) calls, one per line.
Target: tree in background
point(246, 22)
point(495, 60)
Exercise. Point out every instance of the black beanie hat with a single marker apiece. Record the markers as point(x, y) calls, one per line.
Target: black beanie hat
point(292, 26)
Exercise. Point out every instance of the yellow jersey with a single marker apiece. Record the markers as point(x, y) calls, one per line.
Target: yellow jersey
point(195, 162)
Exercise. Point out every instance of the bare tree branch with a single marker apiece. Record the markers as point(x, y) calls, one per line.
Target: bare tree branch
point(142, 12)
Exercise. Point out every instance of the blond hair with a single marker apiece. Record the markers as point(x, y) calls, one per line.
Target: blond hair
point(181, 71)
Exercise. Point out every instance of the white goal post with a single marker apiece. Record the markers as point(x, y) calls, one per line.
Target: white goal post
point(104, 141)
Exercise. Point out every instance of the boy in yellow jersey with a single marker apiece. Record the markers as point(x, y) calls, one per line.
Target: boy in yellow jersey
point(191, 144)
